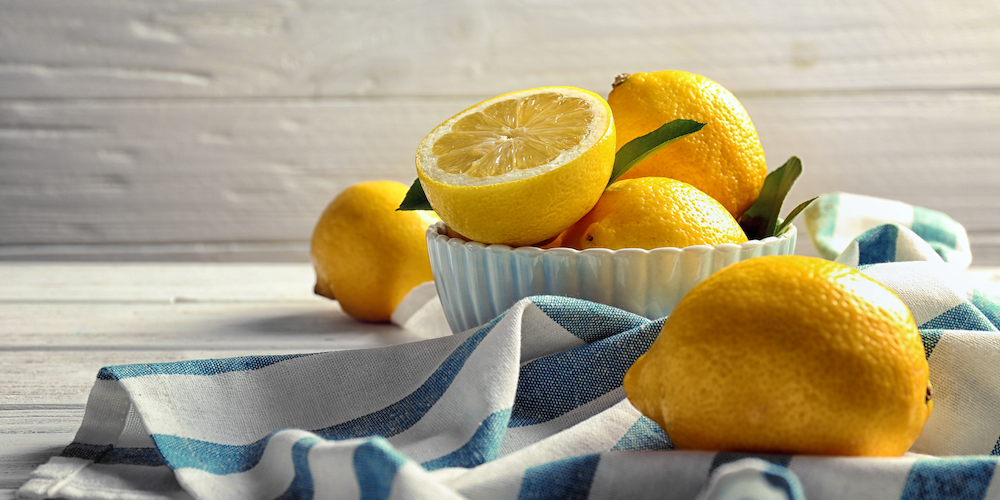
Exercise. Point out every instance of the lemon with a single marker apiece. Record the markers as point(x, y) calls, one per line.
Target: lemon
point(520, 168)
point(789, 355)
point(725, 159)
point(652, 212)
point(366, 254)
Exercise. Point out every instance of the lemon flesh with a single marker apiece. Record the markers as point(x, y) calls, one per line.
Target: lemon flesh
point(520, 168)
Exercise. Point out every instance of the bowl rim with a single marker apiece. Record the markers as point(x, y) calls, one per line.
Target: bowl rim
point(438, 232)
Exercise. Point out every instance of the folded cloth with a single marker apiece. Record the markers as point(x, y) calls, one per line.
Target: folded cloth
point(529, 405)
point(836, 219)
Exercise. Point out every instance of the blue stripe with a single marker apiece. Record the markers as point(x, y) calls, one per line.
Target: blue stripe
point(375, 465)
point(964, 316)
point(781, 477)
point(483, 447)
point(967, 478)
point(644, 435)
point(937, 229)
point(930, 338)
point(989, 305)
point(86, 451)
point(588, 321)
point(108, 454)
point(878, 245)
point(219, 459)
point(227, 459)
point(302, 486)
point(194, 367)
point(551, 386)
point(399, 416)
point(567, 479)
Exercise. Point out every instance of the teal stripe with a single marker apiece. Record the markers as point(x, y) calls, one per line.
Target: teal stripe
point(483, 447)
point(376, 463)
point(934, 227)
point(302, 487)
point(821, 219)
point(567, 479)
point(930, 338)
point(967, 478)
point(989, 305)
point(964, 316)
point(644, 435)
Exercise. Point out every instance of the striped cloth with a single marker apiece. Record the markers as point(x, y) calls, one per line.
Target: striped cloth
point(528, 406)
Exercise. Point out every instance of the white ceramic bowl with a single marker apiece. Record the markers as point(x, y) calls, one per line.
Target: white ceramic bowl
point(477, 282)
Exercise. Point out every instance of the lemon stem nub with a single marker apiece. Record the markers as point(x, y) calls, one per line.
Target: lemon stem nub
point(620, 79)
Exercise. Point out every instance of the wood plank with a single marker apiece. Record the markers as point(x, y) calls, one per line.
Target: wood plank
point(146, 48)
point(197, 179)
point(214, 326)
point(178, 283)
point(23, 452)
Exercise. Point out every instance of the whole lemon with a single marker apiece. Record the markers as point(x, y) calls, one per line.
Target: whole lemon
point(366, 254)
point(520, 168)
point(725, 159)
point(652, 212)
point(788, 355)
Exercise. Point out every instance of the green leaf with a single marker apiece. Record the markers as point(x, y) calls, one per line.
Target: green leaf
point(638, 149)
point(761, 219)
point(415, 198)
point(791, 215)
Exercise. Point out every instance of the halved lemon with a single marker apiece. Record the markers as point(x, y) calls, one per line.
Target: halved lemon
point(520, 168)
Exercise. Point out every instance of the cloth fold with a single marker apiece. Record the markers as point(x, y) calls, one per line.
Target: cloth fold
point(529, 405)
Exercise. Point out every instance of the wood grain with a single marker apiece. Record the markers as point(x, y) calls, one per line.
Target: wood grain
point(218, 130)
point(219, 48)
point(247, 180)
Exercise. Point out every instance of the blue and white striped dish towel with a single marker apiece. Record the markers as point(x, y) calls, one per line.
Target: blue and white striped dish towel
point(528, 406)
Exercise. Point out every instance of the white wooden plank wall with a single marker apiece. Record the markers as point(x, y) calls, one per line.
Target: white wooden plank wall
point(218, 130)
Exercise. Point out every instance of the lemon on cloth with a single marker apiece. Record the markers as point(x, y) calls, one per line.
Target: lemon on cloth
point(366, 254)
point(520, 168)
point(652, 212)
point(725, 159)
point(789, 355)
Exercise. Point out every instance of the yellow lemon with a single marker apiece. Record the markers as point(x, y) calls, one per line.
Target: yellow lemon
point(724, 159)
point(789, 355)
point(366, 254)
point(519, 168)
point(652, 212)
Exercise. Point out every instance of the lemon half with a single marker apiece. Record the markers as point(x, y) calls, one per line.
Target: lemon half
point(520, 168)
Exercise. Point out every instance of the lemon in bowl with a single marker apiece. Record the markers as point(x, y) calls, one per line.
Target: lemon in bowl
point(520, 168)
point(725, 159)
point(653, 212)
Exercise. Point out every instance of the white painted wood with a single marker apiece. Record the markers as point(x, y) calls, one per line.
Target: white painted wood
point(224, 48)
point(155, 182)
point(218, 129)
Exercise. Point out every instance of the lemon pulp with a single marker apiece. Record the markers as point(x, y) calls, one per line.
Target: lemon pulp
point(520, 168)
point(516, 134)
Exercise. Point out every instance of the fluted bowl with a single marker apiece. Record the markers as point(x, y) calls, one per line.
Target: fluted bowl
point(477, 282)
